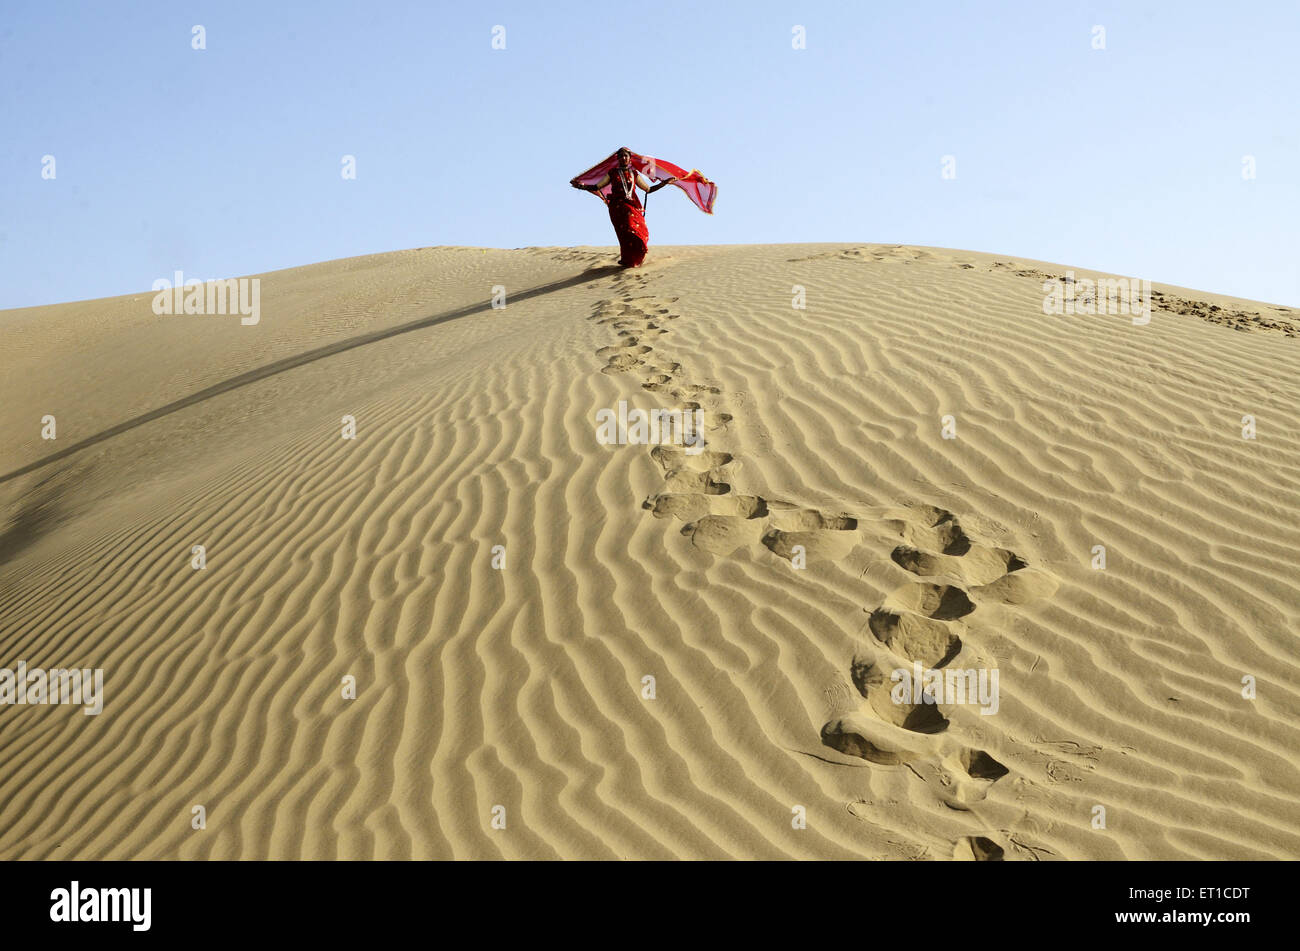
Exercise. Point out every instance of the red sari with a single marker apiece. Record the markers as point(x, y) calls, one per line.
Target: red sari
point(625, 213)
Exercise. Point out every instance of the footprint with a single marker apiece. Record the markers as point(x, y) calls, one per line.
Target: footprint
point(624, 356)
point(979, 565)
point(631, 345)
point(1022, 587)
point(917, 622)
point(928, 642)
point(670, 459)
point(971, 773)
point(822, 537)
point(940, 532)
point(978, 848)
point(690, 507)
point(872, 684)
point(621, 363)
point(871, 739)
point(793, 519)
point(696, 482)
point(980, 765)
point(942, 602)
point(939, 546)
point(723, 534)
point(696, 389)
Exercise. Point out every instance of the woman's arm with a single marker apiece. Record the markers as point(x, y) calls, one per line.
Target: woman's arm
point(594, 189)
point(590, 188)
point(651, 189)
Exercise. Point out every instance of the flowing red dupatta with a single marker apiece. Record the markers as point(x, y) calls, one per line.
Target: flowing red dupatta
point(698, 188)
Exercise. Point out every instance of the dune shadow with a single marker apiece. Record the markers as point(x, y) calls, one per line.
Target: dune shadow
point(34, 514)
point(309, 356)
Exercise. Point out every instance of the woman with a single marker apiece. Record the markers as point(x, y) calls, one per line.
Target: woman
point(625, 209)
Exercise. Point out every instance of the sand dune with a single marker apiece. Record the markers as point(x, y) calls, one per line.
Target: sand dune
point(827, 534)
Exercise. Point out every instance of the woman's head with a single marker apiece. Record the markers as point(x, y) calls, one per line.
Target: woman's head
point(624, 157)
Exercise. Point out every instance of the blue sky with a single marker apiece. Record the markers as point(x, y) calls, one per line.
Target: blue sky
point(227, 161)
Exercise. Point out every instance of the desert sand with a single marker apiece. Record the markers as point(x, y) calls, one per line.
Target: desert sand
point(504, 686)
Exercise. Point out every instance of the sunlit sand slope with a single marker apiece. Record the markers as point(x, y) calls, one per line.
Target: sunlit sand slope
point(568, 649)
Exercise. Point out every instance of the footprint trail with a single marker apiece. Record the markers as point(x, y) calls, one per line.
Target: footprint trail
point(923, 622)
